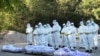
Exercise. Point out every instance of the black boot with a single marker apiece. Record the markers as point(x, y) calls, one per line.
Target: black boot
point(80, 47)
point(87, 51)
point(49, 45)
point(59, 46)
point(96, 48)
point(93, 48)
point(90, 51)
point(63, 46)
point(74, 47)
point(56, 48)
point(29, 44)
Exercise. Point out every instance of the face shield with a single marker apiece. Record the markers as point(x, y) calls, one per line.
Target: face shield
point(88, 23)
point(81, 23)
point(64, 24)
point(93, 23)
point(72, 24)
point(36, 26)
point(68, 23)
point(54, 21)
point(40, 24)
point(28, 25)
point(44, 26)
point(48, 25)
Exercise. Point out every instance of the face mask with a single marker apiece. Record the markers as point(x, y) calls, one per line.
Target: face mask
point(68, 25)
point(89, 24)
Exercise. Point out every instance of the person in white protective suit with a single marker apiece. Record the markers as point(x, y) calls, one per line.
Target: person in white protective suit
point(81, 32)
point(92, 34)
point(95, 35)
point(41, 37)
point(69, 35)
point(89, 37)
point(56, 34)
point(73, 34)
point(50, 43)
point(46, 34)
point(29, 31)
point(35, 35)
point(64, 40)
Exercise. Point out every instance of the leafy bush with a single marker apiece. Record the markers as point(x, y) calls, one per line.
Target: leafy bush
point(15, 14)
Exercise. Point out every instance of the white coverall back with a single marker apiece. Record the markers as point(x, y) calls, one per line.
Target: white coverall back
point(96, 35)
point(74, 35)
point(81, 32)
point(36, 38)
point(41, 37)
point(64, 40)
point(89, 38)
point(56, 35)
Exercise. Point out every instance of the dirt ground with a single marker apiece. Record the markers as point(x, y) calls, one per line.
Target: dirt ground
point(19, 39)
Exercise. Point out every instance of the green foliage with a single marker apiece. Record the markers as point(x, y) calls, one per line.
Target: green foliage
point(15, 14)
point(90, 8)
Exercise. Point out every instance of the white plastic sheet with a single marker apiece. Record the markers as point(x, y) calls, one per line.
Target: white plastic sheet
point(60, 52)
point(66, 49)
point(49, 51)
point(37, 49)
point(67, 52)
point(78, 53)
point(29, 49)
point(11, 48)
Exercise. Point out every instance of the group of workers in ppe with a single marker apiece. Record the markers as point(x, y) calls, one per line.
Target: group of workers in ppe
point(55, 36)
point(88, 35)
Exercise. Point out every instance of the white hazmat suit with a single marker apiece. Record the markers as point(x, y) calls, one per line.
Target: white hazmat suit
point(73, 34)
point(69, 35)
point(64, 40)
point(89, 37)
point(41, 38)
point(56, 34)
point(29, 31)
point(95, 35)
point(81, 32)
point(46, 35)
point(50, 43)
point(35, 35)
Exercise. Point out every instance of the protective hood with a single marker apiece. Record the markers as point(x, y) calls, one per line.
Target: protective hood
point(68, 23)
point(28, 25)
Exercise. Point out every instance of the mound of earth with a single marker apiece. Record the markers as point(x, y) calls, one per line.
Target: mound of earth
point(12, 37)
